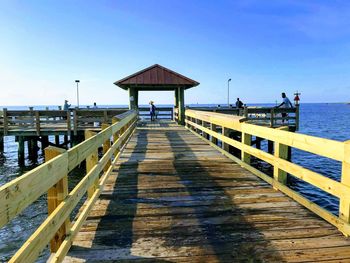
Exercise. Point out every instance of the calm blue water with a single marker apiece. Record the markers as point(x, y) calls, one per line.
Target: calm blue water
point(323, 120)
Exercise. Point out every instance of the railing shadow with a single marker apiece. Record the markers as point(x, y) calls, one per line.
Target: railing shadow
point(222, 227)
point(114, 231)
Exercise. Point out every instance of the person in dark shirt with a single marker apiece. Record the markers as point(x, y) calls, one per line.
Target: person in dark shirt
point(152, 110)
point(239, 104)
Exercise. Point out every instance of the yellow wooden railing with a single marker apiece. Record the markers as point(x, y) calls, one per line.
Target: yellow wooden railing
point(205, 124)
point(52, 178)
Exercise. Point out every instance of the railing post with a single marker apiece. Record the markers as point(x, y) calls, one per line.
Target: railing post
point(204, 135)
point(225, 132)
point(106, 146)
point(5, 121)
point(212, 138)
point(281, 151)
point(91, 161)
point(272, 117)
point(55, 195)
point(68, 123)
point(245, 112)
point(344, 202)
point(115, 135)
point(37, 123)
point(75, 122)
point(246, 140)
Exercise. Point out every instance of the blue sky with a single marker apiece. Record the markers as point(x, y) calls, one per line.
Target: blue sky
point(265, 47)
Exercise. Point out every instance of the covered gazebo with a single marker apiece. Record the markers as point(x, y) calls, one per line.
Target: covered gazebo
point(155, 78)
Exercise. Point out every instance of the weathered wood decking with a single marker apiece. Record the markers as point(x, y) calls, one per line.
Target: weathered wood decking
point(173, 198)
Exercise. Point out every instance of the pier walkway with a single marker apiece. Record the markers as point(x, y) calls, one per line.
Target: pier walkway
point(171, 197)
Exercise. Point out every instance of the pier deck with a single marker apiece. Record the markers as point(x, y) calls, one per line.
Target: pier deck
point(174, 198)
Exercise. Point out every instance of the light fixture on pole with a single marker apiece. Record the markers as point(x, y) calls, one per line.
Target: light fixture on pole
point(228, 92)
point(77, 81)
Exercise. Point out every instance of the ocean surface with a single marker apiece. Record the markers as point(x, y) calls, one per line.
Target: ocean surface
point(325, 120)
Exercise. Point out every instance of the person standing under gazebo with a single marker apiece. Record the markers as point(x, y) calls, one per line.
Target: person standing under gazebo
point(152, 110)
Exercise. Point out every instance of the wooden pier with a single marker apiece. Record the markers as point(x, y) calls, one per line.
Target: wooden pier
point(184, 190)
point(174, 198)
point(164, 192)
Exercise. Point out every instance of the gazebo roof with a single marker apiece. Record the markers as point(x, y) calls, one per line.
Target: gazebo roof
point(156, 77)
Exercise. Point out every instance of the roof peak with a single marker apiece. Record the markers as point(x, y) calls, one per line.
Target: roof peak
point(156, 76)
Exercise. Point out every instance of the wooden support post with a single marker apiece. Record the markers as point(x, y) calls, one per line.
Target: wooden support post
point(212, 138)
point(115, 135)
point(91, 161)
point(245, 112)
point(344, 202)
point(4, 113)
point(281, 151)
point(247, 140)
point(270, 147)
point(204, 135)
point(20, 150)
point(65, 140)
point(225, 132)
point(33, 148)
point(106, 146)
point(1, 143)
point(37, 123)
point(44, 142)
point(272, 118)
point(297, 117)
point(181, 103)
point(132, 99)
point(75, 122)
point(55, 195)
point(105, 116)
point(258, 142)
point(57, 139)
point(68, 123)
point(176, 91)
point(136, 96)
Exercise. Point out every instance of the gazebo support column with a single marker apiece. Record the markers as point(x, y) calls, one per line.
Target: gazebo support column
point(136, 98)
point(132, 99)
point(176, 91)
point(181, 105)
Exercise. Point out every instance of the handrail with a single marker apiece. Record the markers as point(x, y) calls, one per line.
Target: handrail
point(268, 116)
point(162, 112)
point(206, 124)
point(51, 177)
point(41, 120)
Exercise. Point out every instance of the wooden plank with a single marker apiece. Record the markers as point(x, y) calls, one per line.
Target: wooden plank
point(343, 226)
point(4, 112)
point(55, 195)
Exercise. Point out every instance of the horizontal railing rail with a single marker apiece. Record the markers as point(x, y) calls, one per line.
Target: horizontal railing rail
point(207, 124)
point(52, 177)
point(267, 116)
point(161, 112)
point(46, 120)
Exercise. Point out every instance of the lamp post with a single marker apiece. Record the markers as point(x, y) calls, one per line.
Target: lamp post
point(77, 81)
point(228, 92)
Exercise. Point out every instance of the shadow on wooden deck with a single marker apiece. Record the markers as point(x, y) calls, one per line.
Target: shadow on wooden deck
point(190, 218)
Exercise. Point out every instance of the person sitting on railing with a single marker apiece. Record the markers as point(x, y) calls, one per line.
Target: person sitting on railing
point(152, 110)
point(285, 104)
